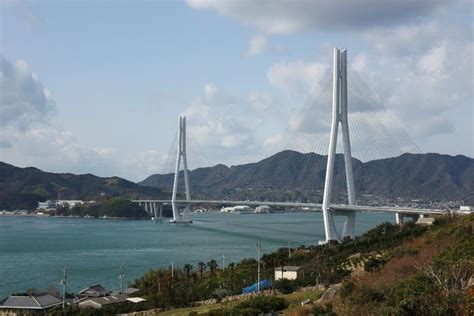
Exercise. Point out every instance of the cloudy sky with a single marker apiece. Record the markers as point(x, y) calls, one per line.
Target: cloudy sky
point(97, 86)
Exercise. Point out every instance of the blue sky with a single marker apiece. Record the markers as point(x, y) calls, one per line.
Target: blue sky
point(97, 86)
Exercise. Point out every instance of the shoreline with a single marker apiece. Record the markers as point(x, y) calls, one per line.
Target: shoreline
point(25, 214)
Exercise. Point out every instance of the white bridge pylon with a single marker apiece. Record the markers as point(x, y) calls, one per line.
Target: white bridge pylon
point(339, 115)
point(181, 217)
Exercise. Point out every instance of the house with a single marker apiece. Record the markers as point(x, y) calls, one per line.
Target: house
point(96, 290)
point(288, 272)
point(31, 304)
point(99, 302)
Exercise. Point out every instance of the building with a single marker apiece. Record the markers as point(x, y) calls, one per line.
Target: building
point(92, 291)
point(32, 304)
point(47, 205)
point(464, 209)
point(288, 272)
point(99, 302)
point(263, 209)
point(68, 203)
point(242, 209)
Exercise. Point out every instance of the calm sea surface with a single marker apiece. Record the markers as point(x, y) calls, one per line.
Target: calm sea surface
point(34, 250)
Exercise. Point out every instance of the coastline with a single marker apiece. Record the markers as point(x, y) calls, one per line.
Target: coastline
point(26, 214)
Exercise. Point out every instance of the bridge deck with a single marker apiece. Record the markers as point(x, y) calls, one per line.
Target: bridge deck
point(335, 207)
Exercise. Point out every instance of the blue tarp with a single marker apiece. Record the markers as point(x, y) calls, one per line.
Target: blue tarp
point(264, 284)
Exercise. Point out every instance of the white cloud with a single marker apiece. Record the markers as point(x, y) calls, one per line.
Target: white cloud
point(24, 100)
point(29, 138)
point(403, 40)
point(283, 17)
point(257, 45)
point(215, 121)
point(292, 77)
point(210, 90)
point(260, 100)
point(433, 62)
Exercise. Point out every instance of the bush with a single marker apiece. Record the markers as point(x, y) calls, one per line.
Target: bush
point(373, 264)
point(285, 286)
point(347, 288)
point(323, 311)
point(263, 304)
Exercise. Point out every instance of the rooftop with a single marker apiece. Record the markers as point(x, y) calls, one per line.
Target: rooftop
point(289, 268)
point(41, 301)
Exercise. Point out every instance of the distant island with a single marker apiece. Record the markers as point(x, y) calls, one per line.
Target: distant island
point(111, 208)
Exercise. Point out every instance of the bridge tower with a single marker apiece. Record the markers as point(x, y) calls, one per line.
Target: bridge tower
point(339, 115)
point(181, 153)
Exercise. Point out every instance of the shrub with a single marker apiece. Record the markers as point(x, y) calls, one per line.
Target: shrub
point(285, 286)
point(263, 304)
point(323, 311)
point(373, 264)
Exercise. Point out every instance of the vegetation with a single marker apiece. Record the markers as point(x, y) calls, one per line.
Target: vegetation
point(22, 188)
point(113, 207)
point(412, 270)
point(434, 176)
point(429, 275)
point(389, 270)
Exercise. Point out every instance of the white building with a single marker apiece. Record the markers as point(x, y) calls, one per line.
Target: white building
point(238, 209)
point(47, 205)
point(263, 209)
point(69, 203)
point(288, 272)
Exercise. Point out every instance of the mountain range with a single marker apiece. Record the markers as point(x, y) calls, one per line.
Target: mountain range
point(22, 188)
point(285, 176)
point(290, 175)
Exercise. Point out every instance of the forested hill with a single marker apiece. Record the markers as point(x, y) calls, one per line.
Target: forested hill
point(292, 175)
point(22, 188)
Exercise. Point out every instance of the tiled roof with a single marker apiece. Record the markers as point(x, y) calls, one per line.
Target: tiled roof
point(95, 290)
point(106, 300)
point(31, 302)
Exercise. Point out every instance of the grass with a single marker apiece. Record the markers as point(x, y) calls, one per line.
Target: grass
point(294, 299)
point(200, 309)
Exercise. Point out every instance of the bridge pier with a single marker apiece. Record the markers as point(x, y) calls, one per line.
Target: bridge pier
point(339, 115)
point(401, 217)
point(181, 154)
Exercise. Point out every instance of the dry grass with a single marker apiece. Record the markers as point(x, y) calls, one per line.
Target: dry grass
point(298, 311)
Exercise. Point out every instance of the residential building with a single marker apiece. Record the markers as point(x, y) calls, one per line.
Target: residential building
point(92, 291)
point(288, 272)
point(99, 302)
point(28, 304)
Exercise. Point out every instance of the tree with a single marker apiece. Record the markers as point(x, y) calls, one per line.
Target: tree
point(212, 267)
point(187, 269)
point(202, 268)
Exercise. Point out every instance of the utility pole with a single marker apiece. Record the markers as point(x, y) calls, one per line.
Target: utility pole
point(172, 269)
point(223, 262)
point(63, 283)
point(122, 277)
point(258, 266)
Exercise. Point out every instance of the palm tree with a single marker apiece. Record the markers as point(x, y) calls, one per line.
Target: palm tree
point(188, 268)
point(202, 268)
point(212, 267)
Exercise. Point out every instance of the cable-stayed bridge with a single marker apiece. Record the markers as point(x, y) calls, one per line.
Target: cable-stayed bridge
point(335, 125)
